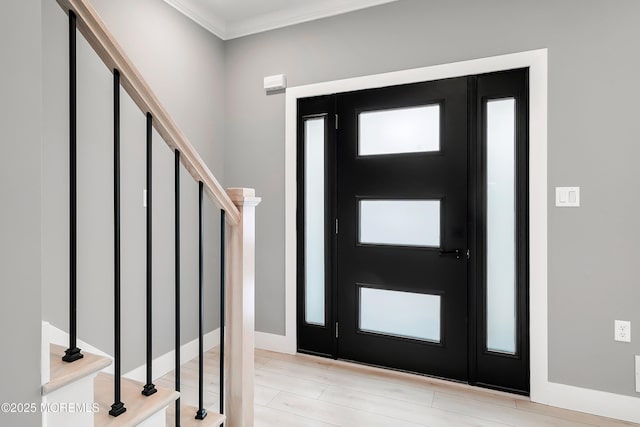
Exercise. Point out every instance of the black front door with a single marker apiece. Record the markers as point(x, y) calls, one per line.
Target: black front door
point(413, 228)
point(402, 240)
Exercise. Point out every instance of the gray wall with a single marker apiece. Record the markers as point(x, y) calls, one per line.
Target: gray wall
point(593, 143)
point(20, 189)
point(184, 66)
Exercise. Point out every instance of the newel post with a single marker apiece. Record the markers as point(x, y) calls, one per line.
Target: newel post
point(240, 312)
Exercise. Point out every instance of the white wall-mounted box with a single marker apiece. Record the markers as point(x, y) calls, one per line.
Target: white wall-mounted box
point(277, 82)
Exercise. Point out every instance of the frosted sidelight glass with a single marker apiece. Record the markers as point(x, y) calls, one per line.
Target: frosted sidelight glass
point(314, 223)
point(401, 314)
point(401, 130)
point(501, 237)
point(400, 222)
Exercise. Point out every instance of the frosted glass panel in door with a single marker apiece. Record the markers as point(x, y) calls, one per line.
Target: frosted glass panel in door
point(314, 224)
point(501, 238)
point(400, 222)
point(401, 314)
point(400, 130)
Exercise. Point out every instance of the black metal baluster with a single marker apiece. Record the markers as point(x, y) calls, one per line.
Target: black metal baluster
point(202, 413)
point(118, 407)
point(222, 306)
point(149, 388)
point(177, 272)
point(73, 352)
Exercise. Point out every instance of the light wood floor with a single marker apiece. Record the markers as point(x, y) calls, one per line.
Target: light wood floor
point(305, 391)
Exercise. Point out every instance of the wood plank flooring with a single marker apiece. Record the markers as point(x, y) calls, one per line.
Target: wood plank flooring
point(305, 391)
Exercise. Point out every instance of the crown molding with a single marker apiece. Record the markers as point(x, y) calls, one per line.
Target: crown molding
point(201, 16)
point(298, 15)
point(270, 21)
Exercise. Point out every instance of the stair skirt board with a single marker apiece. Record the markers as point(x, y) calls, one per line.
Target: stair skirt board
point(45, 354)
point(166, 363)
point(162, 365)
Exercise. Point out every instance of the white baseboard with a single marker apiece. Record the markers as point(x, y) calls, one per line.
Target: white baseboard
point(273, 342)
point(161, 365)
point(594, 402)
point(166, 363)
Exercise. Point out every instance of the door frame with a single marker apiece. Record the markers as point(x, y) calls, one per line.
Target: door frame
point(536, 61)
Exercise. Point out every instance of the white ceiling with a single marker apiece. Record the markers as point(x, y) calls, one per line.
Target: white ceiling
point(229, 19)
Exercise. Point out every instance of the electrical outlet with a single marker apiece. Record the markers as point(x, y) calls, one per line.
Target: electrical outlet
point(622, 331)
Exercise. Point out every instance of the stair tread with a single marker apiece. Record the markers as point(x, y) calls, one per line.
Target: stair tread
point(64, 373)
point(139, 407)
point(187, 417)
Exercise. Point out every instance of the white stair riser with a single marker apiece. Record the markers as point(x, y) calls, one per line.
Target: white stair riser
point(77, 393)
point(159, 419)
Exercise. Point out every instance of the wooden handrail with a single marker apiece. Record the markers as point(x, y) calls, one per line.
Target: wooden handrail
point(93, 28)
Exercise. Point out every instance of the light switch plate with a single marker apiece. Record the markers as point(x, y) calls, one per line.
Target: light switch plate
point(567, 197)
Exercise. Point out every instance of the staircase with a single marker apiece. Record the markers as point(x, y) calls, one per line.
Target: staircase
point(84, 385)
point(76, 390)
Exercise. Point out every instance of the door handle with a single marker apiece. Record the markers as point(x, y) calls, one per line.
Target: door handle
point(452, 253)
